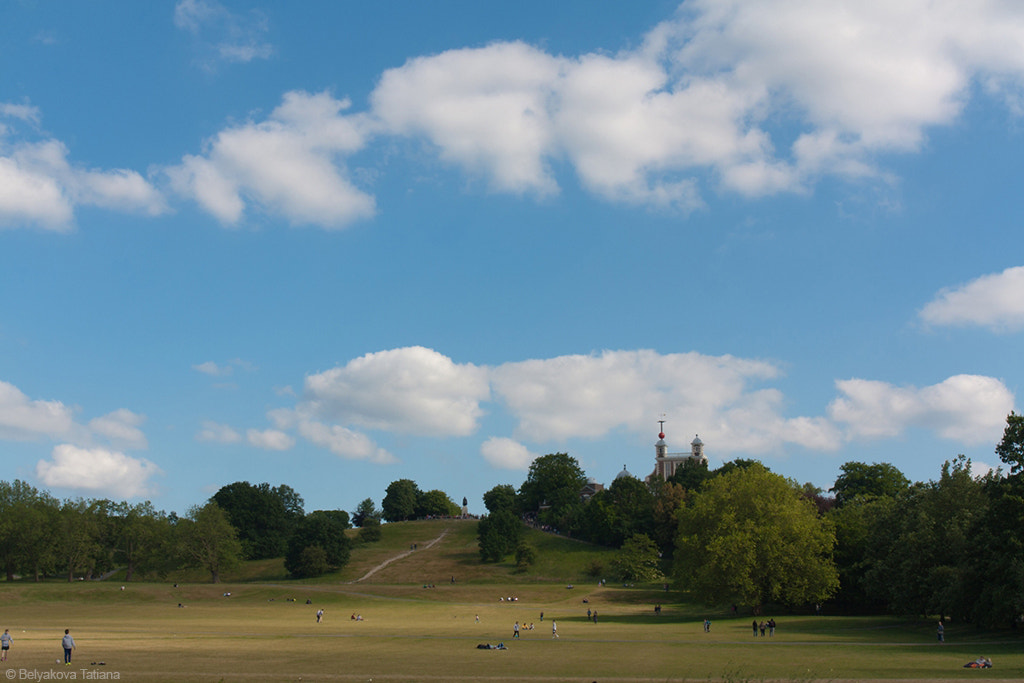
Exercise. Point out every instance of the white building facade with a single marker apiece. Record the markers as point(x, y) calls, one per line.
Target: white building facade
point(666, 464)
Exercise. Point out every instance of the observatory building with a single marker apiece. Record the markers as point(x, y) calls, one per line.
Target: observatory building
point(666, 464)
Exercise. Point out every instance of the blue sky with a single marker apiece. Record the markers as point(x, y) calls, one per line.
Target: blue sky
point(332, 245)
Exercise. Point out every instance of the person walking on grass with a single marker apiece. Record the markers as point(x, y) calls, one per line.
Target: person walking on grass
point(554, 629)
point(5, 644)
point(68, 643)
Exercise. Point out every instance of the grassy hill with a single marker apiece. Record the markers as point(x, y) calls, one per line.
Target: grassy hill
point(445, 548)
point(258, 626)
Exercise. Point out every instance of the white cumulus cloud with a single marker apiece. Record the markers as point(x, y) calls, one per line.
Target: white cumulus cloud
point(411, 390)
point(712, 95)
point(121, 427)
point(995, 301)
point(269, 439)
point(507, 454)
point(344, 442)
point(486, 109)
point(290, 165)
point(97, 471)
point(40, 187)
point(970, 409)
point(729, 401)
point(590, 395)
point(22, 418)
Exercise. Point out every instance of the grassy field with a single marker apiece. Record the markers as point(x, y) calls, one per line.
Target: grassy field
point(266, 631)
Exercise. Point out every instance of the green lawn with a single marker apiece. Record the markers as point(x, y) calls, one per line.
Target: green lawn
point(412, 633)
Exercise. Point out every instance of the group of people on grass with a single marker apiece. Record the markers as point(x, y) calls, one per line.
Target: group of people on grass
point(67, 642)
point(516, 627)
point(764, 625)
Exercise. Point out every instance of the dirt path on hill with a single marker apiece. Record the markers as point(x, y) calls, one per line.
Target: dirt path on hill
point(397, 557)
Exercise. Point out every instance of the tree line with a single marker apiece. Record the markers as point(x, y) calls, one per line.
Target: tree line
point(42, 536)
point(89, 538)
point(953, 546)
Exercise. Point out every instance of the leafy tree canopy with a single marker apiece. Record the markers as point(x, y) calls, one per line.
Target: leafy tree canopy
point(400, 500)
point(552, 488)
point(1011, 449)
point(751, 537)
point(436, 503)
point(691, 475)
point(322, 529)
point(501, 497)
point(920, 562)
point(498, 534)
point(365, 512)
point(611, 516)
point(638, 560)
point(861, 479)
point(264, 516)
point(208, 540)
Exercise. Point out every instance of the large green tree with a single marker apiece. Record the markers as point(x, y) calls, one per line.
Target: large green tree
point(498, 535)
point(861, 479)
point(206, 539)
point(668, 500)
point(997, 576)
point(319, 544)
point(37, 525)
point(921, 560)
point(751, 537)
point(859, 525)
point(691, 474)
point(401, 499)
point(78, 533)
point(598, 520)
point(28, 529)
point(142, 538)
point(365, 512)
point(638, 560)
point(552, 489)
point(436, 503)
point(264, 516)
point(1011, 449)
point(1000, 548)
point(622, 510)
point(501, 497)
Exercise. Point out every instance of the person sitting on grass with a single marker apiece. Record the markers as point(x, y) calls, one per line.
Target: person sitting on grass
point(979, 663)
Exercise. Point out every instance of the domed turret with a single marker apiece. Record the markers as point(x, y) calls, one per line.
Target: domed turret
point(698, 449)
